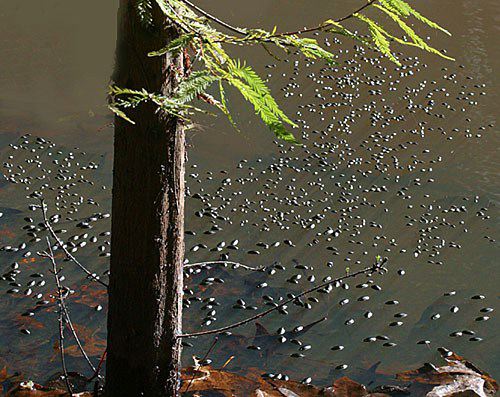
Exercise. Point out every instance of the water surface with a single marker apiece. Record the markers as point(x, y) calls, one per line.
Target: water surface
point(398, 163)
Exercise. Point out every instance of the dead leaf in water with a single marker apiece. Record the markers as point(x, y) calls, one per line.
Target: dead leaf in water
point(31, 389)
point(345, 387)
point(458, 378)
point(207, 378)
point(225, 383)
point(3, 374)
point(463, 385)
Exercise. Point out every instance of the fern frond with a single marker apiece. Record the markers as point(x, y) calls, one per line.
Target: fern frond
point(121, 99)
point(403, 9)
point(254, 90)
point(379, 37)
point(428, 22)
point(223, 106)
point(248, 75)
point(193, 85)
point(120, 114)
point(175, 46)
point(144, 10)
point(210, 46)
point(397, 6)
point(311, 49)
point(412, 34)
point(332, 26)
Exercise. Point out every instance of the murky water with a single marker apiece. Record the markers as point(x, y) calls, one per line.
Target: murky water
point(398, 162)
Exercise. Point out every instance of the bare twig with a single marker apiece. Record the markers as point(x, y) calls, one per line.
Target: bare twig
point(61, 351)
point(216, 339)
point(77, 339)
point(378, 266)
point(99, 366)
point(62, 303)
point(321, 27)
point(348, 16)
point(235, 265)
point(60, 319)
point(61, 244)
point(244, 32)
point(214, 18)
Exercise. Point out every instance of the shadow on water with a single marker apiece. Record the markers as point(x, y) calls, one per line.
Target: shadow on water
point(398, 162)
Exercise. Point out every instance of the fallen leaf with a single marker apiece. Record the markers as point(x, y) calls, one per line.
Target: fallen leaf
point(31, 389)
point(208, 378)
point(346, 387)
point(3, 374)
point(291, 388)
point(459, 377)
point(390, 390)
point(287, 393)
point(462, 385)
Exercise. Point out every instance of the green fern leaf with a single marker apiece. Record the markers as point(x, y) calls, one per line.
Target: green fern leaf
point(428, 22)
point(378, 37)
point(282, 133)
point(311, 49)
point(412, 34)
point(248, 75)
point(254, 90)
point(397, 6)
point(403, 9)
point(193, 85)
point(332, 26)
point(223, 106)
point(144, 10)
point(175, 46)
point(120, 114)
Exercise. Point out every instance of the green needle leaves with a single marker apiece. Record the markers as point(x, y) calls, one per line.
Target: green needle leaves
point(207, 45)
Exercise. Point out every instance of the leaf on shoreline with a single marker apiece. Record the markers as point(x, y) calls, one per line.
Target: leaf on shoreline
point(458, 377)
point(346, 387)
point(31, 389)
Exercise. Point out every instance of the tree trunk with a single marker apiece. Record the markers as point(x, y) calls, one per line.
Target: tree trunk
point(147, 244)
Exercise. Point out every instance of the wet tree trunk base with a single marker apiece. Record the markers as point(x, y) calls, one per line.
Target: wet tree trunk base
point(147, 244)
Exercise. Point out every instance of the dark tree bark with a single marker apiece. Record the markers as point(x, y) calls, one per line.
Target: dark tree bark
point(147, 244)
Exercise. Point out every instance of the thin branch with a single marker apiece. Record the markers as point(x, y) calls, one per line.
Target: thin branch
point(321, 27)
point(225, 263)
point(65, 310)
point(216, 339)
point(61, 351)
point(77, 339)
point(348, 16)
point(378, 266)
point(60, 319)
point(99, 366)
point(63, 247)
point(214, 18)
point(244, 32)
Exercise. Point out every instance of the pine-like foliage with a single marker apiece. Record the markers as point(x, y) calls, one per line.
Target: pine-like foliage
point(144, 12)
point(175, 46)
point(379, 37)
point(125, 98)
point(417, 40)
point(207, 44)
point(194, 85)
point(403, 9)
point(255, 91)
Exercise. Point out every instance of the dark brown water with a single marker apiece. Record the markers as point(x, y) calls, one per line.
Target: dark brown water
point(421, 190)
